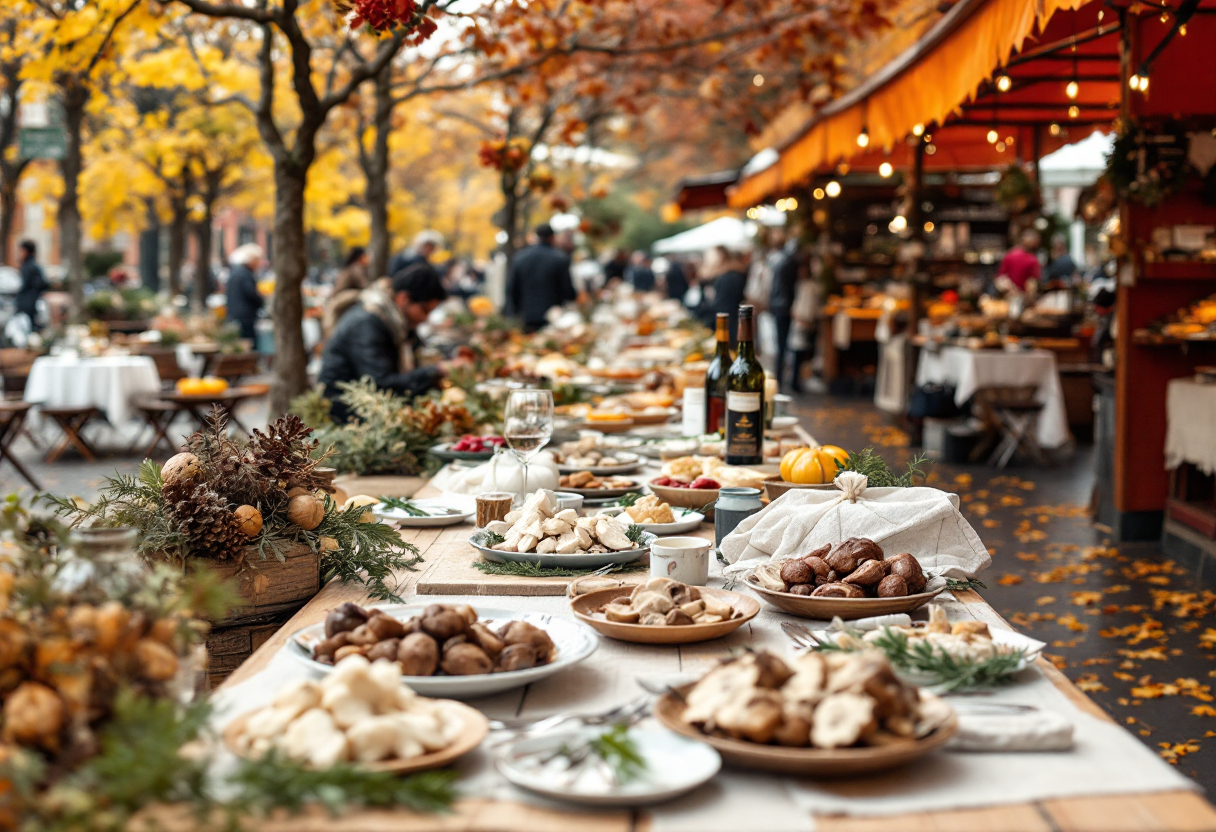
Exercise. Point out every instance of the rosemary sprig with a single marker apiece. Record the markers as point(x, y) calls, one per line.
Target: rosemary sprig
point(493, 539)
point(879, 474)
point(407, 506)
point(932, 666)
point(968, 583)
point(634, 533)
point(616, 748)
point(532, 570)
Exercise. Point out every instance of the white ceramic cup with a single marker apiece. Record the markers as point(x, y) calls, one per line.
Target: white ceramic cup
point(683, 559)
point(566, 499)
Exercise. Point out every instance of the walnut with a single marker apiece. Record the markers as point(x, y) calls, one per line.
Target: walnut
point(868, 573)
point(892, 586)
point(839, 590)
point(907, 567)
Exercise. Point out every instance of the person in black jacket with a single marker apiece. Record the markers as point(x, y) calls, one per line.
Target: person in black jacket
point(675, 281)
point(244, 301)
point(373, 339)
point(426, 243)
point(538, 280)
point(726, 292)
point(639, 275)
point(33, 283)
point(781, 301)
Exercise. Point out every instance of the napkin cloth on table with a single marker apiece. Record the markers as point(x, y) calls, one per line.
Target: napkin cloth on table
point(923, 521)
point(999, 732)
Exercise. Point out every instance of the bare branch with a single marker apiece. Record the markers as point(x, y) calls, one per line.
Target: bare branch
point(257, 15)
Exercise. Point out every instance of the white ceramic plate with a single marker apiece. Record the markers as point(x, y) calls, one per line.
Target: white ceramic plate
point(675, 765)
point(632, 463)
point(687, 520)
point(441, 514)
point(783, 423)
point(574, 643)
point(589, 561)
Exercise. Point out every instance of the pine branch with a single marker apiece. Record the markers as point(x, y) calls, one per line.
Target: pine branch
point(367, 553)
point(969, 583)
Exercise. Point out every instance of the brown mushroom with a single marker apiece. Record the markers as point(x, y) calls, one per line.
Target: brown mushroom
point(801, 589)
point(847, 554)
point(467, 613)
point(326, 649)
point(418, 654)
point(466, 660)
point(821, 552)
point(678, 618)
point(349, 650)
point(516, 657)
point(452, 642)
point(363, 635)
point(517, 632)
point(839, 590)
point(385, 626)
point(386, 649)
point(773, 672)
point(486, 639)
point(819, 568)
point(892, 586)
point(907, 567)
point(441, 623)
point(796, 572)
point(682, 594)
point(346, 617)
point(868, 573)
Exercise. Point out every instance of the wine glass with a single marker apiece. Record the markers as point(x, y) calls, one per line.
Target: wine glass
point(527, 425)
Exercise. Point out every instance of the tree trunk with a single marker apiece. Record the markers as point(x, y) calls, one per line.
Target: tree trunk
point(75, 95)
point(8, 208)
point(376, 173)
point(510, 214)
point(290, 377)
point(202, 269)
point(177, 243)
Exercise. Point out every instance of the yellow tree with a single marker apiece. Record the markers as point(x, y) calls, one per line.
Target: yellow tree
point(14, 53)
point(309, 46)
point(76, 45)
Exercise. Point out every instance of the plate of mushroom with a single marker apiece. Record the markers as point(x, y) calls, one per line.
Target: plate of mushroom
point(457, 652)
point(816, 714)
point(850, 579)
point(663, 611)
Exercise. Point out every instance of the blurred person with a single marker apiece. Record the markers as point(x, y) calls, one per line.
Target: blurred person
point(614, 268)
point(783, 285)
point(538, 280)
point(1020, 269)
point(375, 338)
point(639, 275)
point(675, 282)
point(425, 244)
point(727, 272)
point(1061, 267)
point(33, 284)
point(802, 330)
point(244, 300)
point(353, 274)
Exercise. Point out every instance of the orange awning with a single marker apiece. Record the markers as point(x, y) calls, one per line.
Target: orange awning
point(930, 82)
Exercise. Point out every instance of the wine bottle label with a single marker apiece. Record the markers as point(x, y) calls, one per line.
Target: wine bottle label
point(694, 411)
point(743, 402)
point(743, 432)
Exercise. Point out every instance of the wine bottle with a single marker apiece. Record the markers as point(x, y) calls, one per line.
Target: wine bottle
point(715, 378)
point(745, 399)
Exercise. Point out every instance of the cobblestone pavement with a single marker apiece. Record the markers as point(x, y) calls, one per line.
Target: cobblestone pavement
point(1133, 630)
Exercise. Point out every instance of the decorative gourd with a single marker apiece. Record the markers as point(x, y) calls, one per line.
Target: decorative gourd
point(306, 511)
point(358, 501)
point(183, 466)
point(250, 519)
point(813, 466)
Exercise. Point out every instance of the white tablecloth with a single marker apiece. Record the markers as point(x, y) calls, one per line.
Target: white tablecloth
point(108, 383)
point(1190, 412)
point(971, 370)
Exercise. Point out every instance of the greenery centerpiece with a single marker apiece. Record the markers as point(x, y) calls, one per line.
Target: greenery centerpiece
point(228, 501)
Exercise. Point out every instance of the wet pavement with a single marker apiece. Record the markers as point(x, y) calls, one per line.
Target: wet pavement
point(1135, 631)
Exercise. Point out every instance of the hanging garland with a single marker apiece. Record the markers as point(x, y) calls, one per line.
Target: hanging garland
point(1147, 167)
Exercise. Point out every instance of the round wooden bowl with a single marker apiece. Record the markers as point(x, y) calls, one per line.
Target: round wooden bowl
point(814, 762)
point(586, 609)
point(642, 418)
point(776, 486)
point(607, 425)
point(806, 606)
point(694, 498)
point(475, 729)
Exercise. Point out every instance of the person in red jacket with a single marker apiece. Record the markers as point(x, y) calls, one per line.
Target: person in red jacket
point(1021, 264)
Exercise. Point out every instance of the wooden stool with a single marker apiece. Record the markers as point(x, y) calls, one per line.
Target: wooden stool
point(159, 415)
point(12, 419)
point(71, 421)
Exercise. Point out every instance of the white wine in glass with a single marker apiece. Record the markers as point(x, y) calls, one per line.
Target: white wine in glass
point(528, 425)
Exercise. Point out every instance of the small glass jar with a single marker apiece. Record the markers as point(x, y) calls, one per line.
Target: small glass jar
point(732, 507)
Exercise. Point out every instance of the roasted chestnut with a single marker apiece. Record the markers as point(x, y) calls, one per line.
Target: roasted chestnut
point(418, 654)
point(344, 618)
point(892, 586)
point(465, 660)
point(796, 572)
point(907, 567)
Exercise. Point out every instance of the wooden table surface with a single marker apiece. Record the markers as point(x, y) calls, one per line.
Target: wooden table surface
point(1180, 811)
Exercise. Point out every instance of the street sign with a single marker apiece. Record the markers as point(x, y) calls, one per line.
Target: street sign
point(42, 143)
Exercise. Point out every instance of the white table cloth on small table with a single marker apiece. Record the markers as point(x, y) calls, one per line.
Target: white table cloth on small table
point(1190, 414)
point(971, 370)
point(108, 382)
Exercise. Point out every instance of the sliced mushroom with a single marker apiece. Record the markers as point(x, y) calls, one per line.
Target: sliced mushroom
point(842, 719)
point(621, 613)
point(839, 590)
point(678, 618)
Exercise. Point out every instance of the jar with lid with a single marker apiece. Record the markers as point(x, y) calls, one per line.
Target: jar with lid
point(734, 505)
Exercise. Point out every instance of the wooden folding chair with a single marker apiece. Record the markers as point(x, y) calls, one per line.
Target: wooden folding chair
point(12, 421)
point(71, 421)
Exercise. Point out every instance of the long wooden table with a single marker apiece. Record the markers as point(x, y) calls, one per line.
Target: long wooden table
point(1180, 811)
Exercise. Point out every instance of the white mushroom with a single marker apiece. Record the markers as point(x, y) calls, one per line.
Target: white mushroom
point(612, 536)
point(527, 542)
point(652, 602)
point(384, 680)
point(315, 739)
point(424, 728)
point(567, 515)
point(842, 719)
point(268, 722)
point(585, 540)
point(808, 685)
point(513, 516)
point(375, 738)
point(622, 613)
point(298, 696)
point(547, 546)
point(567, 544)
point(555, 527)
point(498, 527)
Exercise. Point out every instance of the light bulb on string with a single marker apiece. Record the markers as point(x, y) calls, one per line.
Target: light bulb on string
point(832, 189)
point(843, 169)
point(993, 136)
point(930, 149)
point(885, 170)
point(818, 193)
point(918, 130)
point(1003, 82)
point(863, 138)
point(1054, 129)
point(791, 204)
point(1000, 147)
point(1072, 90)
point(1074, 111)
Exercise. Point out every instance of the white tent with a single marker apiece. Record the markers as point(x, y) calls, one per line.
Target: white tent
point(725, 231)
point(1076, 165)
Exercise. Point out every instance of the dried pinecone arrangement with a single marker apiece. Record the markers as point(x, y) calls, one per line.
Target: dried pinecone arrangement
point(225, 499)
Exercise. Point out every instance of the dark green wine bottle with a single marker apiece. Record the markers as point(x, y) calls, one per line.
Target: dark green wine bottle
point(745, 399)
point(715, 378)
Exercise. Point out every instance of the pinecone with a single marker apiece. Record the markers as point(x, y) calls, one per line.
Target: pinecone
point(204, 518)
point(283, 454)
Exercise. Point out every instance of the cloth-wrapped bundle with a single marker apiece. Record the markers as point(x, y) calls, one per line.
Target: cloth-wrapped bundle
point(503, 472)
point(923, 521)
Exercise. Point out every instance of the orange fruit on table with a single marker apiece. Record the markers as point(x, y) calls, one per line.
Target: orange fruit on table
point(813, 466)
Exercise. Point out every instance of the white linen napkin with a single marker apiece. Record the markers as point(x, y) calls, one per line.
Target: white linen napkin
point(993, 731)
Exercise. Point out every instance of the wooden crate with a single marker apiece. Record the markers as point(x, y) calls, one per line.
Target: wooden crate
point(272, 591)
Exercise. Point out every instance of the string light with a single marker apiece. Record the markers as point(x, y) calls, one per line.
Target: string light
point(898, 224)
point(993, 136)
point(1072, 89)
point(930, 149)
point(817, 193)
point(863, 138)
point(929, 227)
point(832, 189)
point(1074, 111)
point(1182, 30)
point(885, 170)
point(1003, 82)
point(918, 130)
point(758, 80)
point(1008, 140)
point(780, 206)
point(843, 169)
point(1000, 147)
point(753, 213)
point(791, 204)
point(1054, 129)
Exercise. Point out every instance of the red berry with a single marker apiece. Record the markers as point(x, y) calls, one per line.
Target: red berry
point(705, 483)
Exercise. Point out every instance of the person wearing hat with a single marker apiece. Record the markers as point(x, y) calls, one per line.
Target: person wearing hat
point(538, 280)
point(426, 243)
point(373, 339)
point(244, 300)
